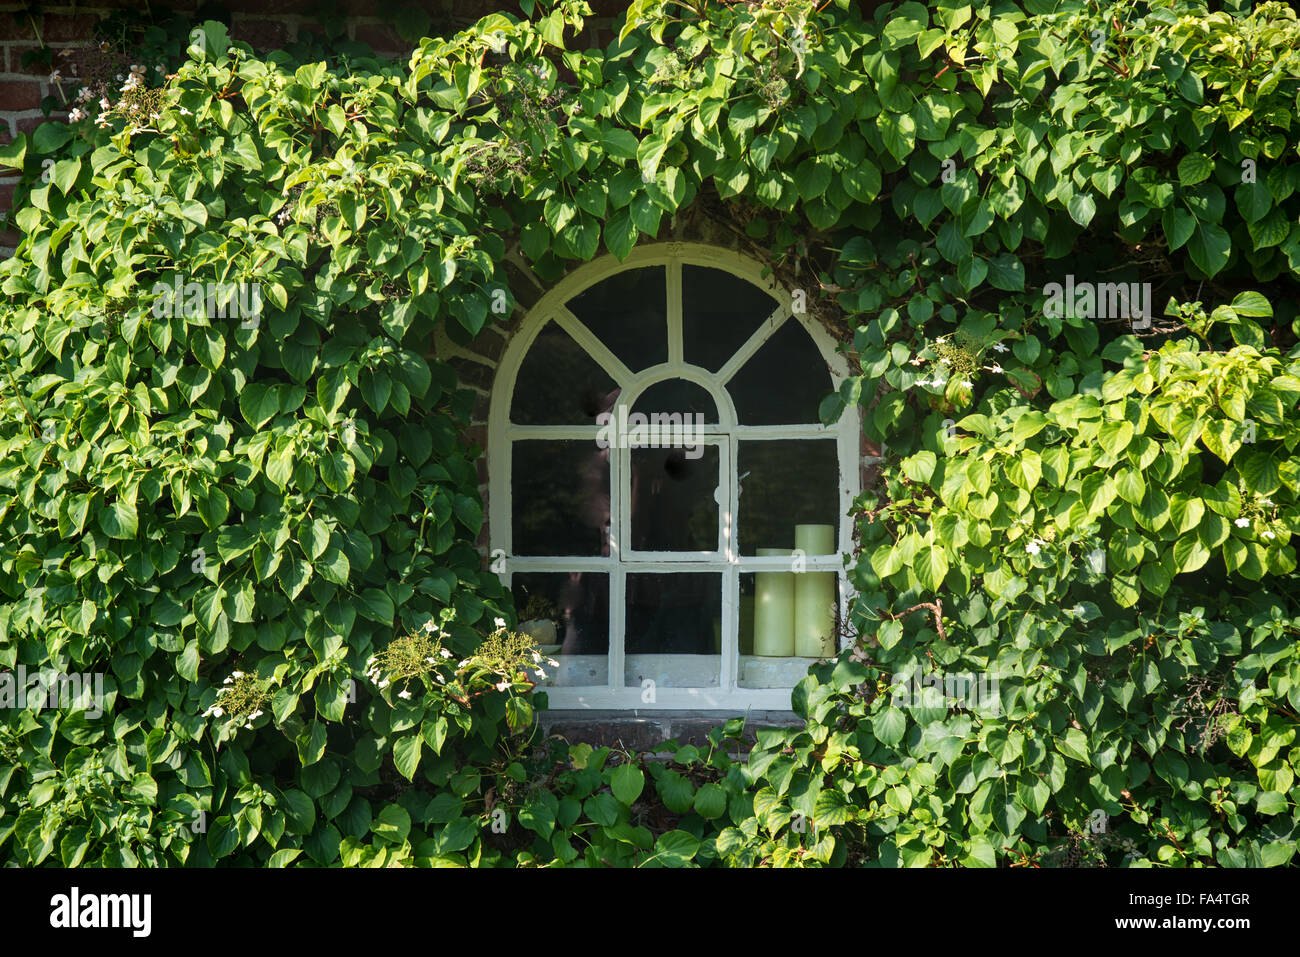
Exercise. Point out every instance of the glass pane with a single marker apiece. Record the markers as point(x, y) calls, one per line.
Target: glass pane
point(673, 505)
point(787, 621)
point(567, 613)
point(679, 397)
point(719, 313)
point(674, 630)
point(628, 312)
point(560, 384)
point(560, 497)
point(784, 382)
point(789, 496)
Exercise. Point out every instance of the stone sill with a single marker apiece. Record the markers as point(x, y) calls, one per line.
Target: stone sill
point(646, 730)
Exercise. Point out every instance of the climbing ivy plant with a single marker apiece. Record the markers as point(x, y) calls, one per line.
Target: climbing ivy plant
point(258, 526)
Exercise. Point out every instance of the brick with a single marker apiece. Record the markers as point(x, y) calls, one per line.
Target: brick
point(634, 734)
point(17, 95)
point(472, 373)
point(59, 27)
point(261, 34)
point(382, 39)
point(26, 124)
point(10, 238)
point(16, 26)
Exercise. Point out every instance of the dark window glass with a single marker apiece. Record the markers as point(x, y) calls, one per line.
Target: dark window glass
point(719, 314)
point(677, 397)
point(673, 504)
point(784, 382)
point(559, 384)
point(628, 312)
point(785, 484)
point(679, 614)
point(560, 497)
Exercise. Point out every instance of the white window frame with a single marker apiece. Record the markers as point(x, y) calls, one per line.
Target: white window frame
point(502, 434)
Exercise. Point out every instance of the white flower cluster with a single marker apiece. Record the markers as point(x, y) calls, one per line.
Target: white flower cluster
point(1035, 546)
point(374, 674)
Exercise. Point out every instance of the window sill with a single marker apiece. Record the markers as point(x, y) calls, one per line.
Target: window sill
point(646, 731)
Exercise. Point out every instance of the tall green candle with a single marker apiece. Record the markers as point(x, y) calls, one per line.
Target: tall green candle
point(814, 595)
point(774, 609)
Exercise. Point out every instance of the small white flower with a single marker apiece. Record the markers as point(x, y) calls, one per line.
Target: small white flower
point(463, 663)
point(104, 104)
point(1242, 522)
point(1270, 535)
point(403, 694)
point(56, 76)
point(999, 347)
point(431, 660)
point(85, 94)
point(430, 626)
point(1265, 501)
point(967, 383)
point(441, 679)
point(941, 340)
point(995, 368)
point(218, 712)
point(445, 653)
point(384, 684)
point(503, 685)
point(499, 622)
point(541, 673)
point(1032, 547)
point(552, 662)
point(227, 681)
point(236, 674)
point(946, 361)
point(255, 714)
point(185, 112)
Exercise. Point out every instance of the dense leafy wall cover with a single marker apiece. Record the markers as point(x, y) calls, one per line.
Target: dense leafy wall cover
point(235, 520)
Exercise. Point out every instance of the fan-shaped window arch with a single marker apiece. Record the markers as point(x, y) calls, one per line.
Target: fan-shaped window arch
point(664, 503)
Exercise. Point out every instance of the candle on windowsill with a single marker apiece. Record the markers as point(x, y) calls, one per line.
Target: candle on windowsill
point(814, 595)
point(774, 609)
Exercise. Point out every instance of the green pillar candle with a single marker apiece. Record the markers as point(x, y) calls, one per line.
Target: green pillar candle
point(774, 609)
point(814, 595)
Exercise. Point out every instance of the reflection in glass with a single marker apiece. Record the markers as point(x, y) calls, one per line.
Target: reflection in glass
point(786, 483)
point(673, 505)
point(560, 497)
point(628, 312)
point(719, 314)
point(567, 614)
point(560, 384)
point(784, 382)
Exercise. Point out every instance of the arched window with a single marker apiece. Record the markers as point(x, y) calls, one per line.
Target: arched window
point(671, 512)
